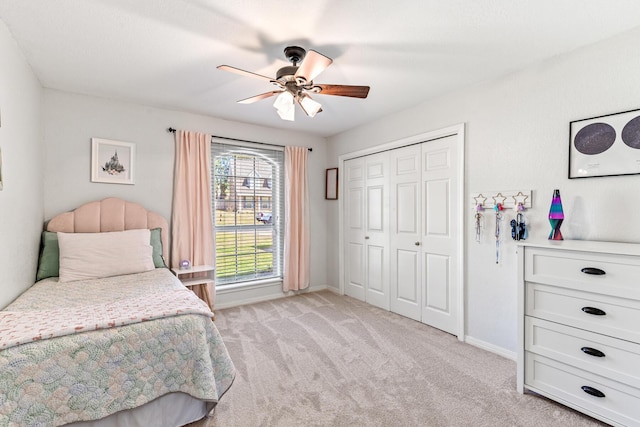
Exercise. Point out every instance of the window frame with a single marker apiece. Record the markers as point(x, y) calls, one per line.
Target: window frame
point(275, 201)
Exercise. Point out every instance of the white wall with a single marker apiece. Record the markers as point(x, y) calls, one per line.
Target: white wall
point(21, 145)
point(72, 120)
point(517, 139)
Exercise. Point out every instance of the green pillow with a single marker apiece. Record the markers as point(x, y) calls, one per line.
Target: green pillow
point(49, 262)
point(156, 243)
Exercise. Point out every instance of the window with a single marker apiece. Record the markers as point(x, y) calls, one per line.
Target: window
point(248, 204)
point(265, 202)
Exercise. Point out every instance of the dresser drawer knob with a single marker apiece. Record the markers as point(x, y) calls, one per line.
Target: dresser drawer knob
point(592, 391)
point(592, 352)
point(594, 271)
point(594, 311)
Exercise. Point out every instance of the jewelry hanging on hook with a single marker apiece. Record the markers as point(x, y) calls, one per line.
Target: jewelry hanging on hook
point(498, 209)
point(478, 217)
point(518, 226)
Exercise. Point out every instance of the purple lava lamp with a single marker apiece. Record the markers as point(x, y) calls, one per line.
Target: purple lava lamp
point(556, 216)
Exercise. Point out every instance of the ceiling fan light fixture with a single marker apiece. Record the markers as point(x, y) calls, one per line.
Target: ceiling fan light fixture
point(296, 81)
point(285, 106)
point(309, 106)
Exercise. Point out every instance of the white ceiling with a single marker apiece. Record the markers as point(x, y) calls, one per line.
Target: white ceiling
point(164, 52)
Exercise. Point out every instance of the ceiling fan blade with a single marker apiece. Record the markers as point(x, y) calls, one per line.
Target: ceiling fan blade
point(342, 90)
point(259, 97)
point(313, 64)
point(243, 72)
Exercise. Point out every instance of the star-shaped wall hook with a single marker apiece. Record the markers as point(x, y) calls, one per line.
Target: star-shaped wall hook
point(499, 199)
point(480, 199)
point(520, 198)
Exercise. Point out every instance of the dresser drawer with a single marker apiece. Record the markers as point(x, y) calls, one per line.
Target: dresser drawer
point(605, 356)
point(561, 305)
point(620, 404)
point(580, 270)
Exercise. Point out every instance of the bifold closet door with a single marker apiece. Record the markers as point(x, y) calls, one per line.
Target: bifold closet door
point(366, 210)
point(402, 231)
point(405, 284)
point(376, 234)
point(423, 243)
point(440, 233)
point(353, 209)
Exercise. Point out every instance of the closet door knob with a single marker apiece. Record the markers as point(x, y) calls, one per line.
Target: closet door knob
point(592, 352)
point(592, 391)
point(417, 243)
point(366, 237)
point(594, 311)
point(594, 271)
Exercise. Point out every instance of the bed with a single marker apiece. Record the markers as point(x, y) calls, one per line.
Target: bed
point(132, 349)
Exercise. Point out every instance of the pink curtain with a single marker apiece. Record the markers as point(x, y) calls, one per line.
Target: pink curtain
point(192, 224)
point(296, 220)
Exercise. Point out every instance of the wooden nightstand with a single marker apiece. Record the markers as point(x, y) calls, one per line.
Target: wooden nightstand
point(204, 274)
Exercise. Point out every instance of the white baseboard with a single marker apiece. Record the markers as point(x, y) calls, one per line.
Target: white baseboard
point(228, 298)
point(492, 348)
point(334, 290)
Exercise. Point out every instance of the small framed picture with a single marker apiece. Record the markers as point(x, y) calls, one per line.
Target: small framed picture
point(605, 145)
point(112, 162)
point(331, 178)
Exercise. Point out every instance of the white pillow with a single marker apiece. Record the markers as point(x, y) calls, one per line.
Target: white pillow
point(95, 255)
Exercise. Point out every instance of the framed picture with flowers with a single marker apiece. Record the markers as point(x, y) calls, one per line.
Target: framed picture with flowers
point(112, 162)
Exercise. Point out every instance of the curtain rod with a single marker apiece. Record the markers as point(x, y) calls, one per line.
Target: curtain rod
point(172, 130)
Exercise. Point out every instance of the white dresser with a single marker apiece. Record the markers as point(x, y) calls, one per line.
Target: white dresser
point(579, 326)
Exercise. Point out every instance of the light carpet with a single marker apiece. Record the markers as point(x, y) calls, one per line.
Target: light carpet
point(321, 359)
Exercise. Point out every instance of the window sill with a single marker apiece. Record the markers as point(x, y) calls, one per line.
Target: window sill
point(255, 284)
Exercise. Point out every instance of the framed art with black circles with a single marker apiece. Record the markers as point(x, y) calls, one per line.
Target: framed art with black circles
point(605, 145)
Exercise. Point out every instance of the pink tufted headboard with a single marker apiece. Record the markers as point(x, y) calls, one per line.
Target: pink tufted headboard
point(111, 214)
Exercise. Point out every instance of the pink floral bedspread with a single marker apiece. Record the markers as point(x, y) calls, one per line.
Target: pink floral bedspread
point(20, 327)
point(81, 351)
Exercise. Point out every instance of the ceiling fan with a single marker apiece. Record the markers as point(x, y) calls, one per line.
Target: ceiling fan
point(295, 83)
